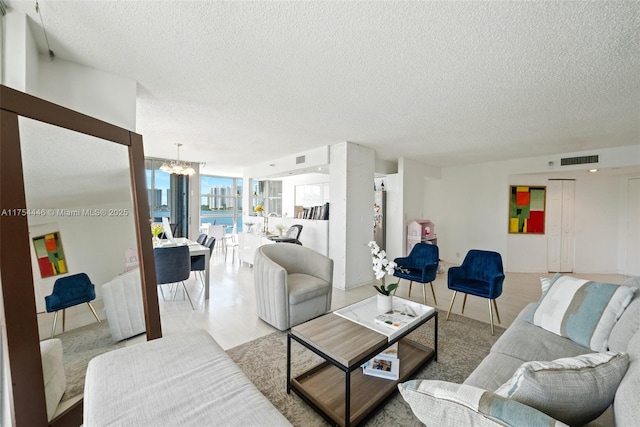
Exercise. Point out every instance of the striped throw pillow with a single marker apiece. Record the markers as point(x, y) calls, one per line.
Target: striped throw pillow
point(581, 310)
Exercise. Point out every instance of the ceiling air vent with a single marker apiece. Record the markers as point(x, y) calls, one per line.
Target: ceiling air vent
point(578, 160)
point(300, 160)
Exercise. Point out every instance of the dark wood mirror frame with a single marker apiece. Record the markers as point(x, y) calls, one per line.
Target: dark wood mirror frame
point(22, 337)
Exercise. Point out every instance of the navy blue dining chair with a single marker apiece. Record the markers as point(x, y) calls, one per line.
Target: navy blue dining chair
point(420, 266)
point(480, 274)
point(198, 262)
point(173, 265)
point(67, 292)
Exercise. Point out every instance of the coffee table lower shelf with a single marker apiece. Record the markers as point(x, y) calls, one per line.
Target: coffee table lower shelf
point(320, 386)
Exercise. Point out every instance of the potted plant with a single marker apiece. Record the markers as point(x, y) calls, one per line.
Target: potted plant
point(259, 210)
point(381, 267)
point(156, 230)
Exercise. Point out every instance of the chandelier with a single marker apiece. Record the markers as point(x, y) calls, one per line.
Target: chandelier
point(176, 166)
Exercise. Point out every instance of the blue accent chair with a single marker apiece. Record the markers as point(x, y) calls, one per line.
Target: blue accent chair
point(480, 274)
point(173, 265)
point(67, 292)
point(422, 266)
point(197, 262)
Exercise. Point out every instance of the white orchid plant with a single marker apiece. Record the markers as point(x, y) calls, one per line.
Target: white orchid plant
point(381, 267)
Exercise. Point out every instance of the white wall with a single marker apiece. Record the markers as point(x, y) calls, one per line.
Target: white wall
point(94, 245)
point(469, 206)
point(351, 213)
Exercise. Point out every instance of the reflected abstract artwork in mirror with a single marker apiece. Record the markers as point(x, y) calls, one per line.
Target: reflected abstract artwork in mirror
point(49, 254)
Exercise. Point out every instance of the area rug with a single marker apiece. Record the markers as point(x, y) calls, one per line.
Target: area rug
point(462, 344)
point(79, 346)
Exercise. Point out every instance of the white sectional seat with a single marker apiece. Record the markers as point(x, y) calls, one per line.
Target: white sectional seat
point(178, 380)
point(122, 298)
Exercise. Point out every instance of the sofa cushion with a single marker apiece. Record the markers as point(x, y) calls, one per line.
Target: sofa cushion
point(626, 327)
point(629, 322)
point(626, 405)
point(493, 371)
point(529, 342)
point(443, 403)
point(178, 380)
point(303, 287)
point(574, 390)
point(581, 310)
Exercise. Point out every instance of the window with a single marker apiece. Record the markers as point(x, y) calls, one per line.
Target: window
point(269, 195)
point(221, 201)
point(167, 195)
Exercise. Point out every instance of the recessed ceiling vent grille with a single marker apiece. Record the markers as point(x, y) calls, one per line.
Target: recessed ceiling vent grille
point(568, 161)
point(300, 160)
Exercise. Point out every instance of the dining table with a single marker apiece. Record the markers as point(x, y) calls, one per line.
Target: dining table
point(195, 249)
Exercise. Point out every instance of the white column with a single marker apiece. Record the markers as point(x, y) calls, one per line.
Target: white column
point(351, 214)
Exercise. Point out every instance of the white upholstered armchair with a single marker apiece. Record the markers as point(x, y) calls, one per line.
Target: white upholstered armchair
point(293, 284)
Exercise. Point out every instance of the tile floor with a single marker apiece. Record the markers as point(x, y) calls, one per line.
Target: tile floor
point(230, 316)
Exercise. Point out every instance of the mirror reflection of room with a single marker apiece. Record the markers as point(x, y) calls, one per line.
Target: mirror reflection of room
point(83, 246)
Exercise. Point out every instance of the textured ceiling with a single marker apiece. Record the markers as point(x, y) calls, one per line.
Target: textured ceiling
point(444, 83)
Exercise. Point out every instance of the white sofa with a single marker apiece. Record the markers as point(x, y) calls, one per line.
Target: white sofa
point(178, 380)
point(122, 299)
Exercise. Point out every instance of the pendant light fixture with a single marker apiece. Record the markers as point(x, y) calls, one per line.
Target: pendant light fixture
point(177, 167)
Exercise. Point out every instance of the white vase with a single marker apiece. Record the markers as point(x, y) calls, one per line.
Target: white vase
point(385, 303)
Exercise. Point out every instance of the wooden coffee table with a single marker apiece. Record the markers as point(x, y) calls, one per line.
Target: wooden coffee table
point(337, 388)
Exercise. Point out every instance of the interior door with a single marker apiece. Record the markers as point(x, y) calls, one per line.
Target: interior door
point(560, 217)
point(632, 267)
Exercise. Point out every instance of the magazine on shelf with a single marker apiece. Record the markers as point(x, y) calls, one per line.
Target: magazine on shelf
point(396, 319)
point(383, 366)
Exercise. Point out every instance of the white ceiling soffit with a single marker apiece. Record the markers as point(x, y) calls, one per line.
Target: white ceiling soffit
point(443, 83)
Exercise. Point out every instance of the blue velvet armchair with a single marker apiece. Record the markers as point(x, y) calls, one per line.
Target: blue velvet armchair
point(480, 274)
point(420, 266)
point(67, 292)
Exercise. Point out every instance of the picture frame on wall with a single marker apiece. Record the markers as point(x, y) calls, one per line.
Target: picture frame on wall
point(527, 205)
point(50, 255)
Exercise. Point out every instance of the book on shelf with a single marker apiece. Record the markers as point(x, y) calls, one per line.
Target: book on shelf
point(383, 366)
point(313, 212)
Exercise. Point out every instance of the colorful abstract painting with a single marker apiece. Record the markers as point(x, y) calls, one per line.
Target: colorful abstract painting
point(50, 255)
point(526, 210)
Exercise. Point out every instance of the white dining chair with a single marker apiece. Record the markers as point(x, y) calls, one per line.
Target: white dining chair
point(217, 231)
point(231, 242)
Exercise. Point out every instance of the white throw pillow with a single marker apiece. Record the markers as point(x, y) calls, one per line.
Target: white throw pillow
point(581, 310)
point(574, 390)
point(438, 403)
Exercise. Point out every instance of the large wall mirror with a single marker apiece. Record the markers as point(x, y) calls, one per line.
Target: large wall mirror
point(80, 217)
point(73, 197)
